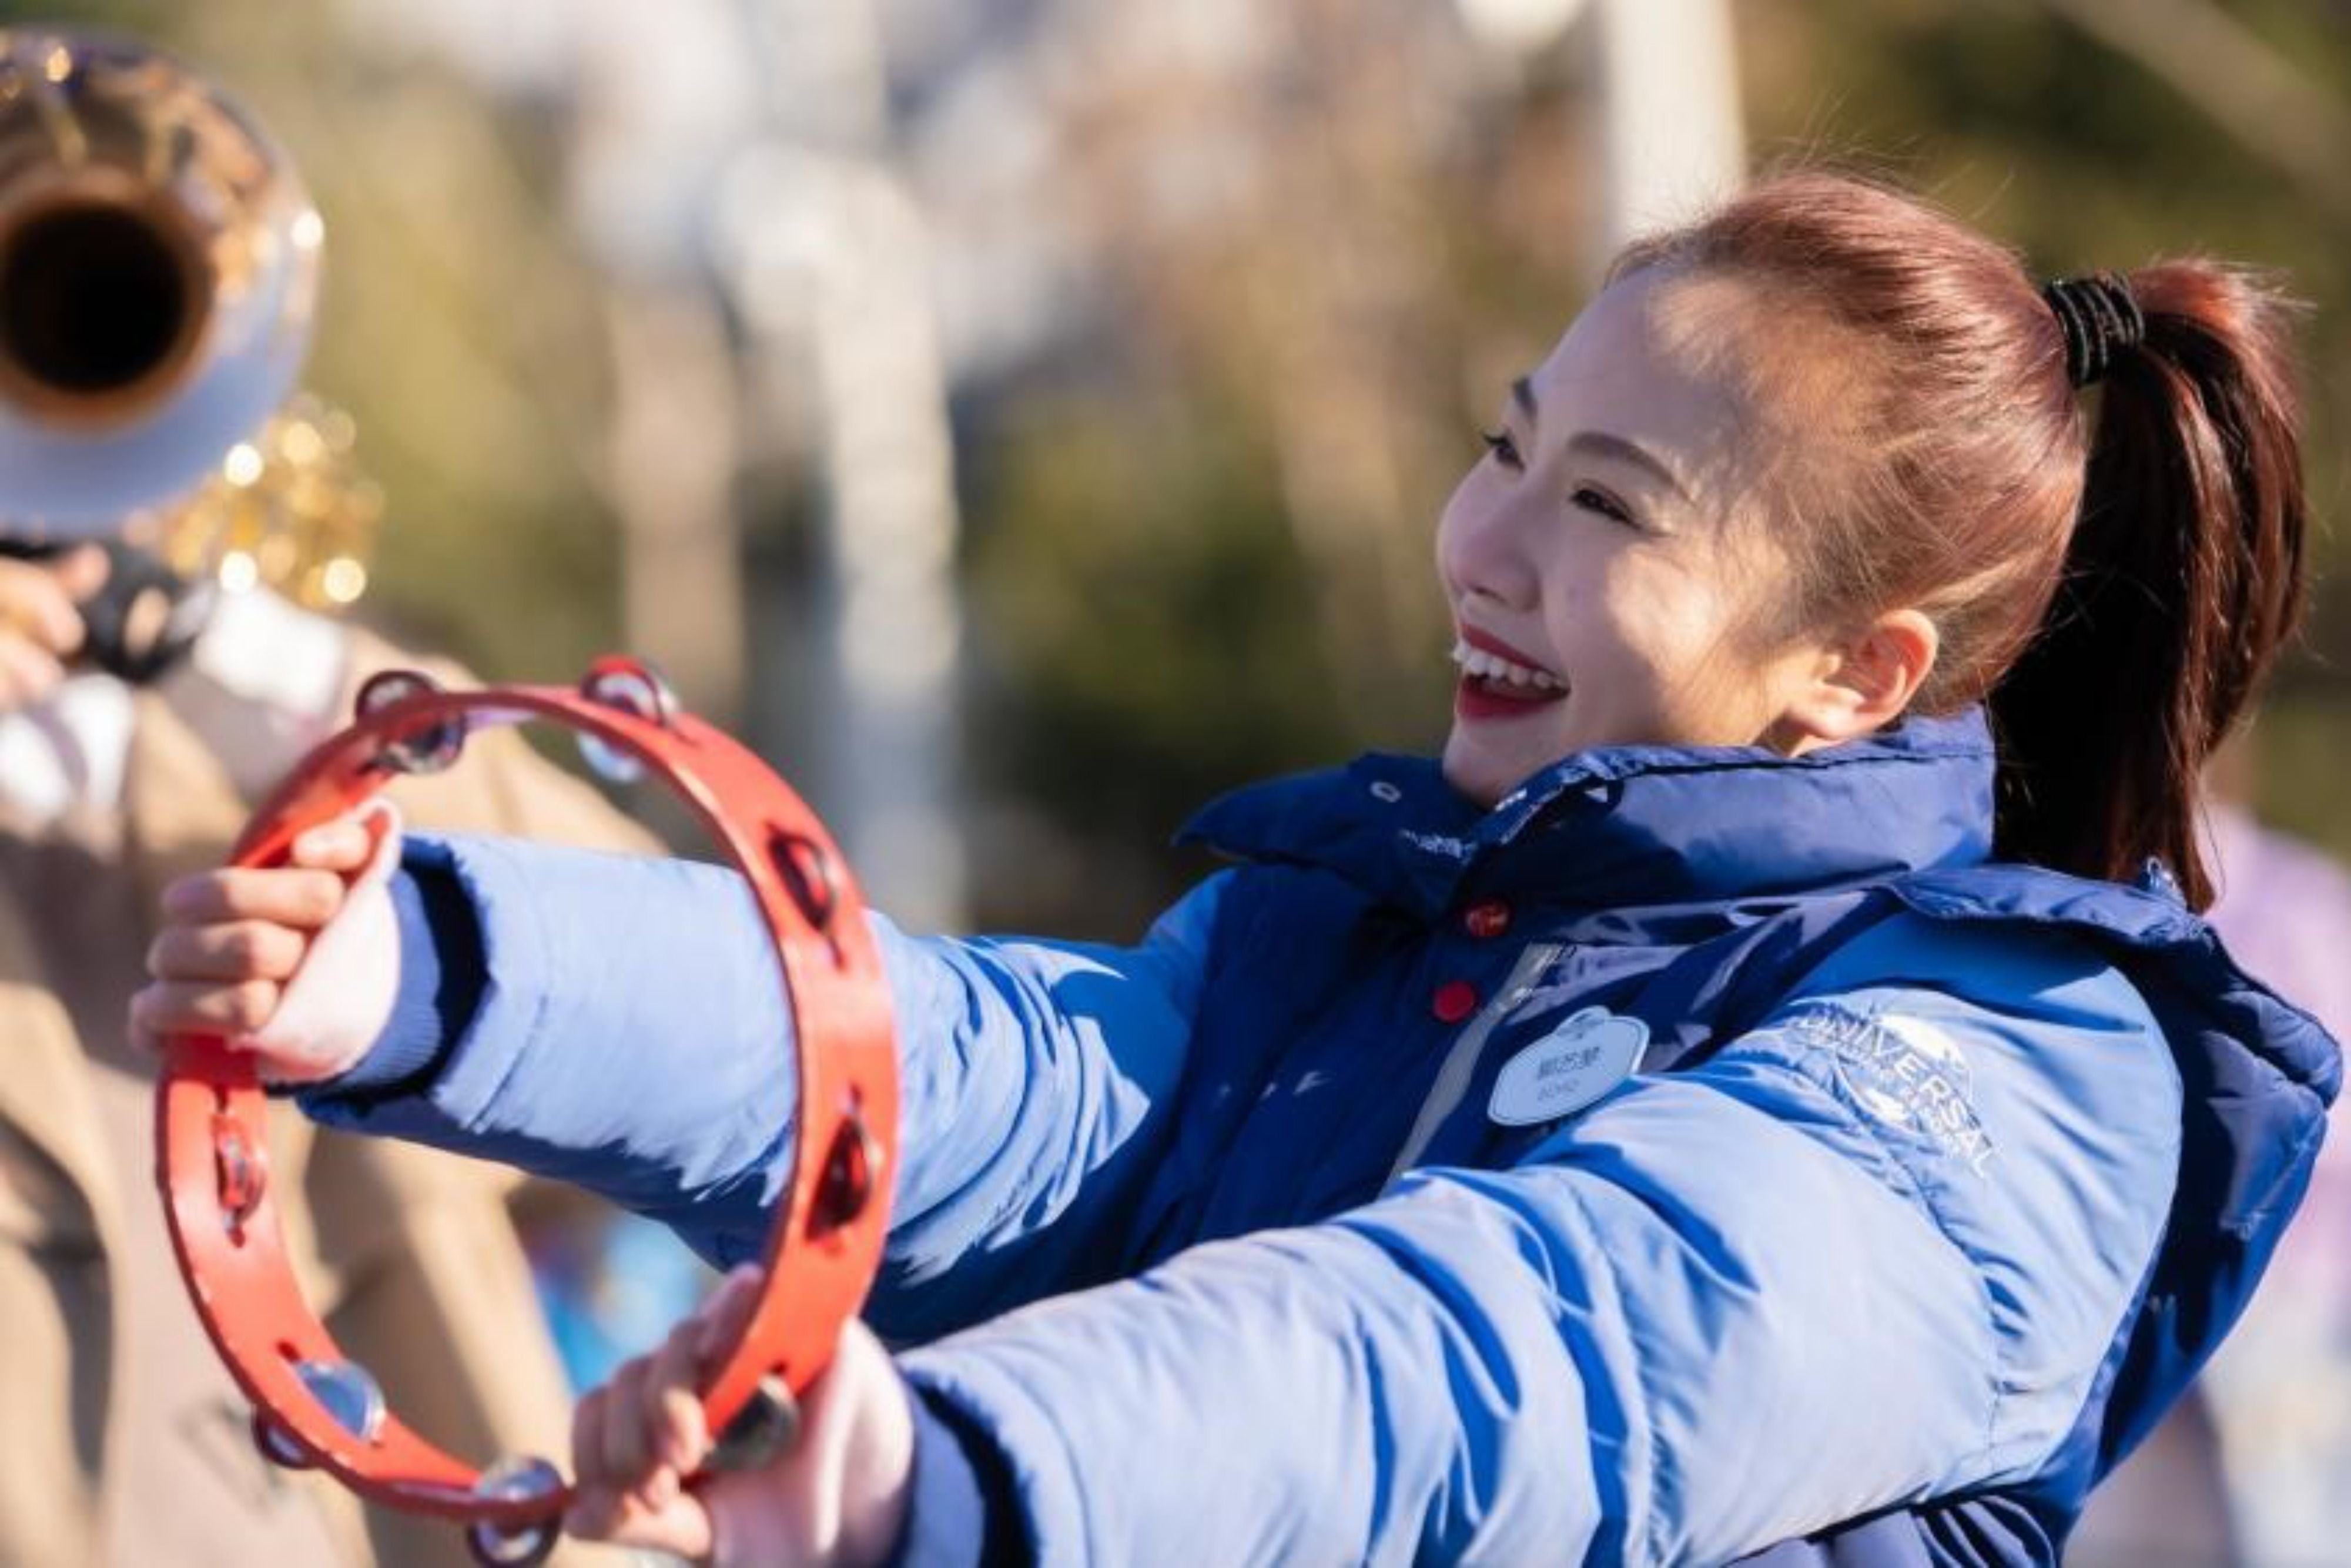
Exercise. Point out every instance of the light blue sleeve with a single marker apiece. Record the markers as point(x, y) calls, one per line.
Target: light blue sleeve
point(1871, 1252)
point(1039, 1082)
point(631, 1038)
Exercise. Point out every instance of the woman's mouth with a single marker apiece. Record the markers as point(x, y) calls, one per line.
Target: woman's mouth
point(1494, 684)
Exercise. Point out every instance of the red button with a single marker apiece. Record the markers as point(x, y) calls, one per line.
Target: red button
point(1455, 1000)
point(1487, 920)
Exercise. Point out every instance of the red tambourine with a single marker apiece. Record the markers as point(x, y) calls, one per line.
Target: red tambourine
point(314, 1406)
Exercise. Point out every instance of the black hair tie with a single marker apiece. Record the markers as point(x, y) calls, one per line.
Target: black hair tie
point(2098, 315)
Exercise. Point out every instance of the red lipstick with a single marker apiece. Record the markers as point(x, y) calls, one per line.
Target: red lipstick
point(1491, 697)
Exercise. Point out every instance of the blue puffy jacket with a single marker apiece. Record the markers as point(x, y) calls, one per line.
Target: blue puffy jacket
point(1701, 1153)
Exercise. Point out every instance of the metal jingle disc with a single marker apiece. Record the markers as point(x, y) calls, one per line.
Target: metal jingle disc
point(432, 749)
point(608, 762)
point(512, 1480)
point(630, 686)
point(518, 1548)
point(346, 1391)
point(768, 1423)
point(278, 1446)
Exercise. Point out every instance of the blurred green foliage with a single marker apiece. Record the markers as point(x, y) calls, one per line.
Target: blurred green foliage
point(2086, 159)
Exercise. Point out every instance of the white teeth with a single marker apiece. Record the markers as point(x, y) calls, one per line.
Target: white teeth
point(1484, 666)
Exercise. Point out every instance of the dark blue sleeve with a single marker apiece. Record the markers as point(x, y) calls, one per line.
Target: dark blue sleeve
point(964, 1512)
point(440, 980)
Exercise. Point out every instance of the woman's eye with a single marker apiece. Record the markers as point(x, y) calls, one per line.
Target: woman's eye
point(1601, 502)
point(1505, 450)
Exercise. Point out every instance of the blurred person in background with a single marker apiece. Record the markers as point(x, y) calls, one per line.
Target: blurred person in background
point(1725, 1105)
point(2252, 1466)
point(136, 732)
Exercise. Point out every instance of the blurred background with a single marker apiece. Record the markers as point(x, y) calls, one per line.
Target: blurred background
point(1024, 419)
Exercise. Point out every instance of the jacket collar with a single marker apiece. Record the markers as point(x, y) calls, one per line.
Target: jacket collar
point(1629, 826)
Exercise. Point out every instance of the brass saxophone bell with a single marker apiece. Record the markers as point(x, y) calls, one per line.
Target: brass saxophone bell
point(159, 266)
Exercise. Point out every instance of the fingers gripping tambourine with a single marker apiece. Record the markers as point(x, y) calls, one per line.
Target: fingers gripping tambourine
point(314, 1406)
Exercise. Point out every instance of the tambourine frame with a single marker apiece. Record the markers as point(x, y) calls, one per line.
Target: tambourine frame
point(820, 1255)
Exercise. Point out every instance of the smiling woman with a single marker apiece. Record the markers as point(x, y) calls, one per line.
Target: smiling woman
point(1599, 545)
point(1666, 1128)
point(1816, 462)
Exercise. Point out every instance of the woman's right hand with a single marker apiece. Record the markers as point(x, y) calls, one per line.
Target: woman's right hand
point(836, 1496)
point(40, 625)
point(298, 964)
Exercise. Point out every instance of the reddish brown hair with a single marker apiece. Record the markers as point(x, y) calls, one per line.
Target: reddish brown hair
point(2113, 593)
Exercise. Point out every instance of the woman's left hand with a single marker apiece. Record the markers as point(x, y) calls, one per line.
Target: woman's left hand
point(838, 1495)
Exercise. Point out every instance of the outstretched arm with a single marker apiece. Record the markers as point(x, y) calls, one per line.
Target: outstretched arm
point(618, 1022)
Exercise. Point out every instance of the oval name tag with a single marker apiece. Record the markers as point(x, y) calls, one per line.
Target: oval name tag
point(1567, 1069)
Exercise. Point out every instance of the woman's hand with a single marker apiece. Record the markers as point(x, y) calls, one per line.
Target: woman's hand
point(837, 1496)
point(298, 964)
point(40, 627)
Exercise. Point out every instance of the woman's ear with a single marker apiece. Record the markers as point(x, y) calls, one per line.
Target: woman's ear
point(1861, 685)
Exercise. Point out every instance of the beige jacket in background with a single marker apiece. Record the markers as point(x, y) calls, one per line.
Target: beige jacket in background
point(409, 1254)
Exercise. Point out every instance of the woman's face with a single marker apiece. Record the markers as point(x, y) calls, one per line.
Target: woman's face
point(1599, 580)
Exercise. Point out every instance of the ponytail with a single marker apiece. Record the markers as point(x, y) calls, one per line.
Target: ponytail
point(2182, 579)
point(2112, 589)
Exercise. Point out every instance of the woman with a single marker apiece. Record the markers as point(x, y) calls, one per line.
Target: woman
point(1693, 1118)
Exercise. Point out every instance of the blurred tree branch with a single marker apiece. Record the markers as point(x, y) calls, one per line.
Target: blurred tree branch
point(2236, 79)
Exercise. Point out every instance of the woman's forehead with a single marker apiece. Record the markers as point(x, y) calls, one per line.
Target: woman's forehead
point(1634, 368)
point(1730, 377)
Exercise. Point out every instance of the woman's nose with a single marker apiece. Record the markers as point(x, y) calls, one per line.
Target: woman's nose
point(1483, 547)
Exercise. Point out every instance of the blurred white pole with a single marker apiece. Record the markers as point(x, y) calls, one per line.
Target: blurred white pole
point(830, 219)
point(897, 623)
point(1520, 26)
point(1671, 140)
point(672, 456)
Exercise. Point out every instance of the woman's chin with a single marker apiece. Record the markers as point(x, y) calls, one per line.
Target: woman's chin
point(1478, 775)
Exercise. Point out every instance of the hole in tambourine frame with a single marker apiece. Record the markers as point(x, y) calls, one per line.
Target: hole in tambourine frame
point(851, 1167)
point(240, 1173)
point(809, 878)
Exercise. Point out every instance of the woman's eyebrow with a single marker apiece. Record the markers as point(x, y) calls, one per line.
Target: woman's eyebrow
point(1599, 444)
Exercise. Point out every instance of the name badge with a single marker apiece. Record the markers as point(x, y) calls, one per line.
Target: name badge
point(1567, 1069)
